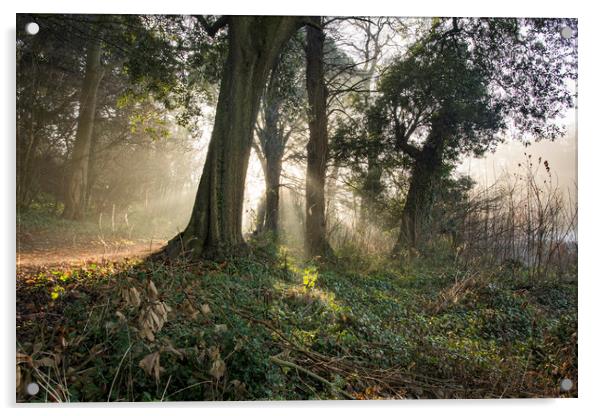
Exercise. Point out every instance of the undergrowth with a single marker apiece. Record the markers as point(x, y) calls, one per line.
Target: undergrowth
point(272, 327)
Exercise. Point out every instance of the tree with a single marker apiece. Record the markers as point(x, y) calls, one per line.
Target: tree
point(75, 197)
point(279, 119)
point(461, 87)
point(254, 43)
point(317, 146)
point(376, 34)
point(48, 83)
point(439, 99)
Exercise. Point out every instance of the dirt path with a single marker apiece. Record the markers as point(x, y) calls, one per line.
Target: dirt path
point(82, 253)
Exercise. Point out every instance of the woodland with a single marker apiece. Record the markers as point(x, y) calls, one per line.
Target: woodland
point(271, 208)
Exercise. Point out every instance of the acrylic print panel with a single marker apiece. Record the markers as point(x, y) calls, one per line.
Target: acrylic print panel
point(295, 208)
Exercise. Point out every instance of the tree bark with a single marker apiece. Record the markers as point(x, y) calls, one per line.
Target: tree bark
point(372, 188)
point(273, 141)
point(272, 191)
point(427, 166)
point(25, 165)
point(317, 147)
point(215, 224)
point(75, 197)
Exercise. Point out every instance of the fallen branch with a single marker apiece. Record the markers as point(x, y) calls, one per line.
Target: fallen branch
point(391, 377)
point(283, 363)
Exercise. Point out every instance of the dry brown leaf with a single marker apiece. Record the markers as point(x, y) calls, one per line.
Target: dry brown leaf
point(63, 341)
point(240, 389)
point(170, 348)
point(147, 333)
point(153, 293)
point(205, 309)
point(23, 358)
point(152, 319)
point(150, 365)
point(44, 362)
point(190, 310)
point(213, 352)
point(131, 296)
point(19, 378)
point(218, 368)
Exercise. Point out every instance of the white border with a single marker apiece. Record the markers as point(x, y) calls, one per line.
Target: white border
point(590, 153)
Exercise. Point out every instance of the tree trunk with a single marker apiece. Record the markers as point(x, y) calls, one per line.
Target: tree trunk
point(92, 168)
point(273, 143)
point(26, 163)
point(425, 171)
point(215, 224)
point(317, 147)
point(371, 190)
point(75, 197)
point(272, 190)
point(260, 216)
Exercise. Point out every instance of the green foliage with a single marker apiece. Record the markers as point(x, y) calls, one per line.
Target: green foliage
point(310, 277)
point(225, 321)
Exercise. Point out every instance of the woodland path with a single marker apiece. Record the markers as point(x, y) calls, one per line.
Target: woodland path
point(39, 252)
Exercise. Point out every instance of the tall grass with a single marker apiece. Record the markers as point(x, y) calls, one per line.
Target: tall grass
point(523, 221)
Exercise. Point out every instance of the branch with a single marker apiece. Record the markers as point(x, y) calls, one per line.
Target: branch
point(409, 149)
point(212, 29)
point(311, 22)
point(283, 363)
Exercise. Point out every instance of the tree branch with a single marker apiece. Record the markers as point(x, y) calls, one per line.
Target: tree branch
point(212, 29)
point(409, 149)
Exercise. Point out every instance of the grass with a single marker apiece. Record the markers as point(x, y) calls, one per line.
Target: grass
point(271, 327)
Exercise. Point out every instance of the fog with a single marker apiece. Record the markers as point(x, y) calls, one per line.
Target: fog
point(561, 155)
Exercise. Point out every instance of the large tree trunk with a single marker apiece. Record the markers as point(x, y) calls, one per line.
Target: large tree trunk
point(426, 169)
point(317, 147)
point(75, 197)
point(215, 224)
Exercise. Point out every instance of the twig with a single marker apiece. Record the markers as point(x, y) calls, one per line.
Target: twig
point(283, 363)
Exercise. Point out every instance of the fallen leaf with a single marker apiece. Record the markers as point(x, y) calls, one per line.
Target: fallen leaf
point(153, 293)
point(19, 378)
point(44, 362)
point(218, 368)
point(150, 365)
point(190, 310)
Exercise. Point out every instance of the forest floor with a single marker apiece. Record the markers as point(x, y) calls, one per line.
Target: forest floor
point(270, 326)
point(51, 253)
point(46, 241)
